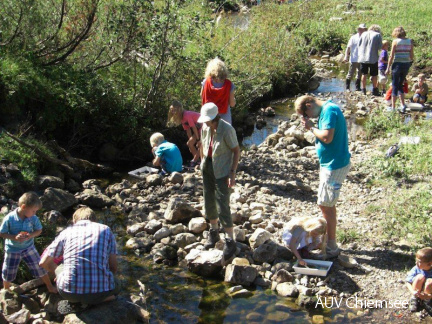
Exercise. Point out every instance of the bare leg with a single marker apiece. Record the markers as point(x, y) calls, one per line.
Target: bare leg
point(375, 81)
point(6, 285)
point(229, 231)
point(393, 99)
point(418, 282)
point(49, 285)
point(402, 99)
point(329, 213)
point(363, 81)
point(191, 144)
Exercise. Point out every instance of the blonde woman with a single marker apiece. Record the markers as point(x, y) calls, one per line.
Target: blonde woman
point(401, 57)
point(218, 89)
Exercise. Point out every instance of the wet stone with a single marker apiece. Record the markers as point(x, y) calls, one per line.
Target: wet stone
point(254, 317)
point(278, 317)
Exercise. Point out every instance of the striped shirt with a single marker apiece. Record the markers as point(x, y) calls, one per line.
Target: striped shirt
point(13, 224)
point(86, 247)
point(403, 50)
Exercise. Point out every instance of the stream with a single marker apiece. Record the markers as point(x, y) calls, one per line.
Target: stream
point(176, 295)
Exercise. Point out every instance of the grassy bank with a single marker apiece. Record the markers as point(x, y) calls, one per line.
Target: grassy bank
point(407, 176)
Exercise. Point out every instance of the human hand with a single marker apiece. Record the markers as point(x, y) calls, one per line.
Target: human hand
point(387, 71)
point(345, 60)
point(418, 91)
point(302, 262)
point(231, 180)
point(306, 122)
point(22, 236)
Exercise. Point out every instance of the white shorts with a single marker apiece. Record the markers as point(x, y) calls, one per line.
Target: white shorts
point(330, 185)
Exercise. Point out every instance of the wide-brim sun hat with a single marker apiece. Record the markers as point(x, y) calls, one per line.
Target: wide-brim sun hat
point(208, 112)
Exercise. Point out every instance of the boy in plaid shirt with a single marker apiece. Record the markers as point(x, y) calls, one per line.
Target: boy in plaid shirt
point(19, 228)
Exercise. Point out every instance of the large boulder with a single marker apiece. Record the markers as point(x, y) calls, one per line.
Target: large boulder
point(58, 199)
point(153, 226)
point(47, 181)
point(205, 263)
point(241, 275)
point(117, 311)
point(9, 302)
point(259, 237)
point(178, 211)
point(154, 180)
point(282, 275)
point(95, 199)
point(266, 252)
point(20, 317)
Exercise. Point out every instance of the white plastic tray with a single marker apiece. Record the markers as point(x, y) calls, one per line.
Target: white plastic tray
point(311, 271)
point(143, 172)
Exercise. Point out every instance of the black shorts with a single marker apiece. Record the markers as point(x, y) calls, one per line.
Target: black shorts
point(369, 68)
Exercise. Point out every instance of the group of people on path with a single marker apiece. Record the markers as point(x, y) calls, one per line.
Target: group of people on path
point(362, 52)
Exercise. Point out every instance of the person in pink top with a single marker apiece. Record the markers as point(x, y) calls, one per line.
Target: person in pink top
point(189, 120)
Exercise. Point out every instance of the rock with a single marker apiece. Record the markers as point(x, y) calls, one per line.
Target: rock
point(282, 276)
point(197, 225)
point(262, 282)
point(205, 263)
point(178, 211)
point(154, 180)
point(163, 252)
point(137, 214)
point(114, 312)
point(95, 199)
point(176, 177)
point(265, 253)
point(178, 228)
point(259, 237)
point(254, 317)
point(240, 262)
point(57, 199)
point(284, 253)
point(55, 217)
point(306, 301)
point(256, 219)
point(287, 289)
point(20, 317)
point(135, 229)
point(9, 302)
point(278, 317)
point(118, 187)
point(141, 243)
point(162, 233)
point(183, 239)
point(239, 234)
point(309, 137)
point(153, 226)
point(46, 181)
point(318, 319)
point(32, 305)
point(91, 183)
point(242, 275)
point(243, 293)
point(13, 169)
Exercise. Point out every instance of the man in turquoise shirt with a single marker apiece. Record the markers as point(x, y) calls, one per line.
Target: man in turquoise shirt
point(333, 154)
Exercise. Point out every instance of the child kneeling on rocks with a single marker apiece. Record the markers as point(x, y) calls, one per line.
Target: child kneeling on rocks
point(419, 280)
point(302, 235)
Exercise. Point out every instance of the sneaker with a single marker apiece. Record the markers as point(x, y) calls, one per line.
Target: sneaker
point(332, 253)
point(426, 304)
point(389, 109)
point(414, 304)
point(229, 249)
point(64, 307)
point(402, 109)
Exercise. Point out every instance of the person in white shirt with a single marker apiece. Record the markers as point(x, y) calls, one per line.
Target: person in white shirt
point(351, 55)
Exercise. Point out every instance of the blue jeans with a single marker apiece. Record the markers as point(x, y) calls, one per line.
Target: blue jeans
point(399, 73)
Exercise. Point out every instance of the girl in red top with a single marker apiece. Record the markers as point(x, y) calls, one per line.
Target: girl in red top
point(189, 120)
point(218, 89)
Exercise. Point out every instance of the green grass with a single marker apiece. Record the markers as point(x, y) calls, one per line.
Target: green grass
point(347, 236)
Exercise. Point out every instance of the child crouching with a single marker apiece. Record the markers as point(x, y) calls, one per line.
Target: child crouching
point(419, 280)
point(302, 235)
